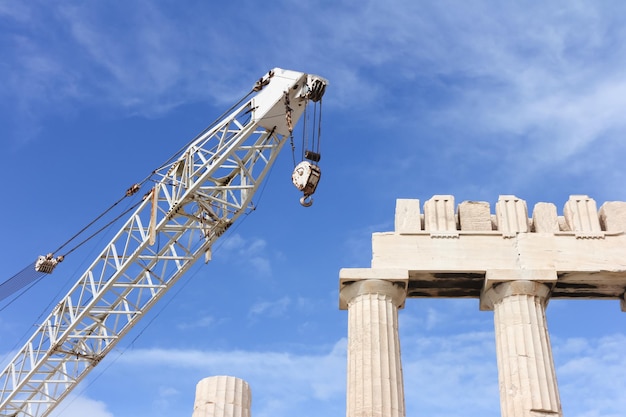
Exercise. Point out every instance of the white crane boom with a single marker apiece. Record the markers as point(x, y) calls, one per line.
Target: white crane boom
point(193, 201)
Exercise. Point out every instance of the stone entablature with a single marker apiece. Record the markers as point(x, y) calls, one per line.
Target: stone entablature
point(580, 217)
point(511, 262)
point(463, 252)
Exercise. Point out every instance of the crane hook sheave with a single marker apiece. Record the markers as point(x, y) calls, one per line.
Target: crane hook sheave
point(317, 89)
point(305, 177)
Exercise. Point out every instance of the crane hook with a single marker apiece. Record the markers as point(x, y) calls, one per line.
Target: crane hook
point(306, 200)
point(305, 177)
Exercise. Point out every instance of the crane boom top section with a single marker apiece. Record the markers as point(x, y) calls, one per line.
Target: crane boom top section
point(192, 202)
point(301, 87)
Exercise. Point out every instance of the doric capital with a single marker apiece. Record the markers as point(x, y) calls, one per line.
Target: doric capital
point(497, 277)
point(506, 289)
point(349, 276)
point(373, 286)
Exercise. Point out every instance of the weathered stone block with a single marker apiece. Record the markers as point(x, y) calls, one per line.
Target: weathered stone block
point(613, 216)
point(545, 218)
point(408, 216)
point(475, 215)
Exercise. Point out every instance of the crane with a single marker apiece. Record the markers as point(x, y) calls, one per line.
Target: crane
point(193, 201)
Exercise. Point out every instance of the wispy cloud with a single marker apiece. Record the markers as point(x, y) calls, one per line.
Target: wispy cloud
point(127, 59)
point(17, 11)
point(595, 366)
point(141, 61)
point(80, 406)
point(202, 322)
point(444, 360)
point(427, 98)
point(441, 374)
point(282, 383)
point(275, 308)
point(248, 253)
point(501, 93)
point(448, 373)
point(545, 81)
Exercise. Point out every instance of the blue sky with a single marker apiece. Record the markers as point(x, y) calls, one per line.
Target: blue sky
point(473, 99)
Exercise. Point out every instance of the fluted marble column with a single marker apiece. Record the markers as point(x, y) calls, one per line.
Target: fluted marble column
point(375, 385)
point(222, 396)
point(526, 373)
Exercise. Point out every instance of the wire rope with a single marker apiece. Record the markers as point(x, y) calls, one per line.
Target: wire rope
point(106, 226)
point(81, 231)
point(132, 190)
point(163, 306)
point(319, 128)
point(27, 276)
point(198, 136)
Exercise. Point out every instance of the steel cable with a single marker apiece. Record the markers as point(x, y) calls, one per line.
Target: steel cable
point(29, 275)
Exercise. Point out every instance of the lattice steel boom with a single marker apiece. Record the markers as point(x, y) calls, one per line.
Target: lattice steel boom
point(194, 200)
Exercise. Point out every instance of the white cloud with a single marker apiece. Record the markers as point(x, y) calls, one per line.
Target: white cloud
point(442, 374)
point(166, 399)
point(505, 88)
point(17, 11)
point(448, 373)
point(282, 383)
point(545, 79)
point(250, 253)
point(81, 406)
point(590, 373)
point(145, 69)
point(510, 88)
point(275, 308)
point(201, 322)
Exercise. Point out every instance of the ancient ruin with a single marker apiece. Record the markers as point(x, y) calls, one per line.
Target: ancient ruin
point(222, 396)
point(512, 263)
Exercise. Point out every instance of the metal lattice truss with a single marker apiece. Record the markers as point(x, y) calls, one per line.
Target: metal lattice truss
point(193, 202)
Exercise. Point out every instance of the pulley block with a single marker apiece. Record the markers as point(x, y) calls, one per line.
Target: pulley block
point(305, 177)
point(47, 263)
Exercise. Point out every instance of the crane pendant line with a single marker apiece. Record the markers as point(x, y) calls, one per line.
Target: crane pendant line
point(195, 201)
